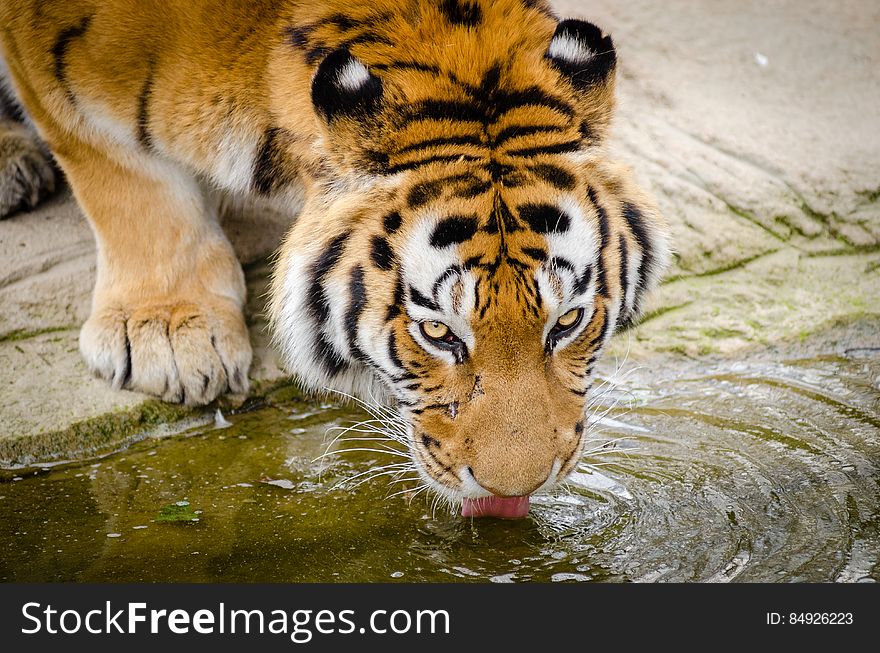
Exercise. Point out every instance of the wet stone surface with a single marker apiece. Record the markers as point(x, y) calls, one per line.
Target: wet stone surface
point(761, 469)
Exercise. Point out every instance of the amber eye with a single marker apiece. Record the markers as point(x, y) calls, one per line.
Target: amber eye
point(565, 325)
point(569, 319)
point(441, 335)
point(435, 330)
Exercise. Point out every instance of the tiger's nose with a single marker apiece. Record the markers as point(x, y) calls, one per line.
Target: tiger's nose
point(520, 483)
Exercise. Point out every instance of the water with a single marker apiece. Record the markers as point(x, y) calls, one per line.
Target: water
point(755, 470)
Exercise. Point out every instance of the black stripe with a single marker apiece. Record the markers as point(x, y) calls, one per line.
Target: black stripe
point(316, 300)
point(337, 20)
point(428, 441)
point(554, 175)
point(392, 222)
point(143, 124)
point(358, 293)
point(439, 142)
point(420, 300)
point(558, 148)
point(601, 281)
point(270, 171)
point(411, 165)
point(9, 105)
point(453, 230)
point(562, 264)
point(407, 65)
point(600, 337)
point(535, 253)
point(448, 272)
point(381, 253)
point(394, 308)
point(451, 110)
point(446, 468)
point(366, 37)
point(464, 13)
point(499, 171)
point(60, 48)
point(392, 352)
point(624, 279)
point(586, 131)
point(424, 192)
point(344, 22)
point(472, 189)
point(635, 222)
point(331, 360)
point(490, 82)
point(298, 37)
point(583, 281)
point(516, 131)
point(507, 101)
point(544, 218)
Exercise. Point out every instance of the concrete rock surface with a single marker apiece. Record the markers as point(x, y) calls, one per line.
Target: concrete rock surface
point(755, 124)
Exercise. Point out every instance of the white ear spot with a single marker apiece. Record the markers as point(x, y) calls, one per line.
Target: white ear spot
point(568, 48)
point(353, 76)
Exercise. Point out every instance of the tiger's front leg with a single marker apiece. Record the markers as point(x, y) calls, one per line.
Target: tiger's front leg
point(167, 313)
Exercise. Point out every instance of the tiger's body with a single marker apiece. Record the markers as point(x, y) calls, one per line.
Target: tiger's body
point(466, 248)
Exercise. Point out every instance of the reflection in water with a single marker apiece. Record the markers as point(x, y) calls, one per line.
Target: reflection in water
point(748, 470)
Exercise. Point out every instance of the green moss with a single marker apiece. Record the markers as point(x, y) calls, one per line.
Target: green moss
point(282, 392)
point(25, 334)
point(870, 195)
point(848, 250)
point(719, 270)
point(662, 311)
point(93, 436)
point(719, 332)
point(745, 215)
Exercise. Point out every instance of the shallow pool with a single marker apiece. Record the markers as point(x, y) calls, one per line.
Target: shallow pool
point(754, 470)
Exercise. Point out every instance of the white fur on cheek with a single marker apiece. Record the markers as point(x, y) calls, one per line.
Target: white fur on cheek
point(579, 244)
point(296, 336)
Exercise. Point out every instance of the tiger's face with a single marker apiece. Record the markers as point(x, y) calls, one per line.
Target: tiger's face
point(473, 278)
point(499, 329)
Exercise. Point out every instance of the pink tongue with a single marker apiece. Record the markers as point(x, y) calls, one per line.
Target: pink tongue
point(503, 507)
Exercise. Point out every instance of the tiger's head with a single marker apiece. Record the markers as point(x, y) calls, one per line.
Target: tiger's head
point(473, 249)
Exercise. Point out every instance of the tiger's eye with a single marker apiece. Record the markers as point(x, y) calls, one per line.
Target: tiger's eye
point(435, 330)
point(569, 318)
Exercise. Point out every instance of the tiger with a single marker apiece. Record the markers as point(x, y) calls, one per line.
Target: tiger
point(466, 247)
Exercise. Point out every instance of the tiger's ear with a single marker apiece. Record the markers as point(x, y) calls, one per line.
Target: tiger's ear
point(344, 87)
point(580, 52)
point(587, 59)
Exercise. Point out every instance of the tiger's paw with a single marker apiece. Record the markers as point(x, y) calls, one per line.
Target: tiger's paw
point(182, 352)
point(26, 175)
